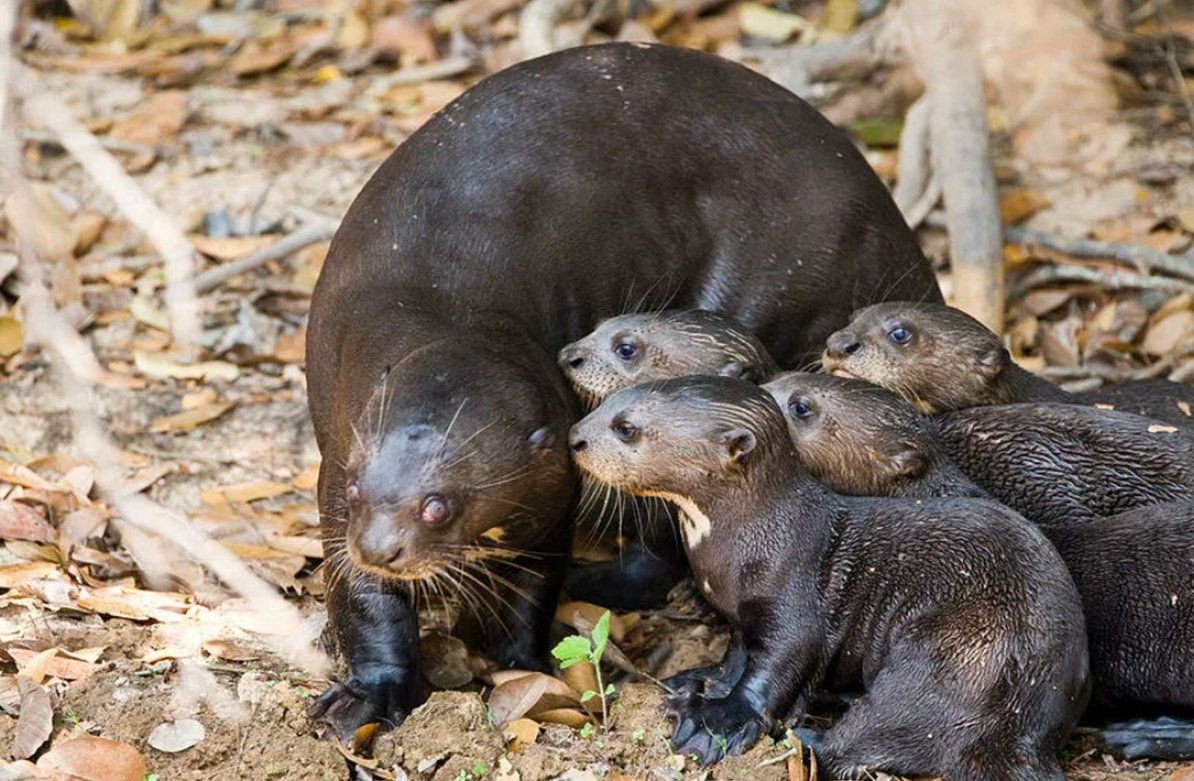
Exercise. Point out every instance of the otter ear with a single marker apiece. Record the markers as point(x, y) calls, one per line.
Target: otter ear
point(993, 361)
point(542, 439)
point(909, 462)
point(738, 442)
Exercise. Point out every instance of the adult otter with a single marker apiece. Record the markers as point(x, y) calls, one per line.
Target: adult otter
point(974, 666)
point(561, 191)
point(644, 346)
point(1134, 571)
point(940, 359)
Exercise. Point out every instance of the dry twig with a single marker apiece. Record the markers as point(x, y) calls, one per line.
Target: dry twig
point(1146, 259)
point(310, 233)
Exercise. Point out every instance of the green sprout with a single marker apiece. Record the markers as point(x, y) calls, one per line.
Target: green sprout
point(575, 649)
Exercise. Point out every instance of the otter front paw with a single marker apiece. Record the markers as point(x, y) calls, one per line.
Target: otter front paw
point(385, 698)
point(714, 729)
point(684, 686)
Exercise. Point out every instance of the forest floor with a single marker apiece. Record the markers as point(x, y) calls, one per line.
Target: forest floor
point(241, 128)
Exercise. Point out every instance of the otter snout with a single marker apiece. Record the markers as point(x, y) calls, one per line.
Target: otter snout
point(572, 357)
point(381, 542)
point(842, 344)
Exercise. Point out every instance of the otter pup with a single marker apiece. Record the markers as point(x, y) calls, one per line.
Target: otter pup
point(974, 665)
point(940, 358)
point(645, 346)
point(1134, 571)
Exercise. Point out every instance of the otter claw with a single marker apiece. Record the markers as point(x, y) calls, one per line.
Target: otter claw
point(714, 729)
point(348, 705)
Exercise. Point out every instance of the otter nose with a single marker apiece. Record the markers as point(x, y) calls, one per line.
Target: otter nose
point(841, 344)
point(576, 444)
point(571, 358)
point(380, 544)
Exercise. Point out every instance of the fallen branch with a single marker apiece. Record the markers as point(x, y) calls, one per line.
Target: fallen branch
point(416, 74)
point(1145, 259)
point(1111, 280)
point(850, 58)
point(537, 24)
point(310, 233)
point(44, 108)
point(912, 163)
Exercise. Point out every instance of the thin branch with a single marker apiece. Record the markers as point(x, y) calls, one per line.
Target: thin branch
point(1146, 259)
point(308, 234)
point(1109, 280)
point(46, 109)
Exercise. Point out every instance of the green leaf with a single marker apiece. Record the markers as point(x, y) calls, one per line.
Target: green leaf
point(639, 735)
point(570, 650)
point(600, 637)
point(609, 689)
point(590, 694)
point(587, 730)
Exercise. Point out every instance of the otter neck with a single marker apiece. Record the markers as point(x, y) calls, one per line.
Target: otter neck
point(941, 478)
point(1015, 384)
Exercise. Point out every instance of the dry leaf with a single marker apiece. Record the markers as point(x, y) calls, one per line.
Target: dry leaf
point(145, 311)
point(513, 699)
point(469, 13)
point(519, 733)
point(768, 24)
point(16, 574)
point(256, 57)
point(89, 226)
point(231, 247)
point(1185, 216)
point(243, 492)
point(144, 478)
point(354, 32)
point(275, 566)
point(1169, 333)
point(158, 366)
point(17, 474)
point(583, 616)
point(292, 347)
point(12, 336)
point(56, 665)
point(445, 660)
point(175, 736)
point(188, 420)
point(582, 678)
point(408, 39)
point(94, 759)
point(155, 121)
point(36, 721)
point(21, 522)
point(40, 222)
point(36, 664)
point(1020, 204)
point(231, 649)
point(566, 716)
point(307, 479)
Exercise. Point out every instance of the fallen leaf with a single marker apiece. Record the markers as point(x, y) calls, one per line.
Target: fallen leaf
point(307, 479)
point(231, 649)
point(583, 616)
point(445, 660)
point(40, 222)
point(37, 664)
point(199, 398)
point(469, 13)
point(57, 665)
point(17, 474)
point(21, 522)
point(231, 247)
point(1020, 204)
point(582, 678)
point(190, 419)
point(89, 226)
point(292, 347)
point(155, 121)
point(175, 736)
point(363, 737)
point(16, 574)
point(144, 478)
point(1185, 216)
point(12, 336)
point(408, 39)
point(255, 57)
point(768, 24)
point(158, 366)
point(275, 566)
point(354, 31)
point(145, 311)
point(36, 721)
point(513, 699)
point(244, 492)
point(519, 733)
point(1168, 333)
point(566, 716)
point(94, 759)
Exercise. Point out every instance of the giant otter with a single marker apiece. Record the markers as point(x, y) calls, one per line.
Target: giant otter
point(561, 191)
point(1134, 571)
point(955, 615)
point(940, 358)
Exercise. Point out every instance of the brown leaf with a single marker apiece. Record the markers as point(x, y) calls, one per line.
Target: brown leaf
point(469, 13)
point(307, 479)
point(519, 733)
point(172, 737)
point(36, 721)
point(256, 57)
point(582, 678)
point(16, 474)
point(16, 574)
point(566, 716)
point(188, 420)
point(159, 366)
point(583, 616)
point(408, 39)
point(37, 664)
point(21, 522)
point(12, 336)
point(1167, 334)
point(94, 759)
point(230, 247)
point(1020, 204)
point(155, 121)
point(232, 649)
point(40, 222)
point(275, 566)
point(292, 347)
point(243, 492)
point(445, 660)
point(57, 665)
point(513, 699)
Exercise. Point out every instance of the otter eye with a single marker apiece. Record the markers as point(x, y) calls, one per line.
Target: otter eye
point(353, 492)
point(625, 430)
point(625, 351)
point(435, 510)
point(899, 335)
point(799, 409)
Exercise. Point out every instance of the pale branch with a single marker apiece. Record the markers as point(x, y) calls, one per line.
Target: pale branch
point(44, 107)
point(308, 234)
point(1109, 280)
point(1145, 259)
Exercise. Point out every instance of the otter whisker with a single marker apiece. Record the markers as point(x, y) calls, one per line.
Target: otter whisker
point(448, 431)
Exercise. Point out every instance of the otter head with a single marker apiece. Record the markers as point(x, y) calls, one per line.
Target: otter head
point(457, 450)
point(681, 439)
point(855, 437)
point(636, 348)
point(937, 357)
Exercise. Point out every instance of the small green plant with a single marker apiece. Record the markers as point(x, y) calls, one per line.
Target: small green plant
point(69, 714)
point(274, 770)
point(480, 769)
point(578, 648)
point(586, 731)
point(150, 777)
point(639, 735)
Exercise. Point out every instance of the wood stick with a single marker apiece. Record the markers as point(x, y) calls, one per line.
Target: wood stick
point(308, 234)
point(913, 160)
point(537, 24)
point(1110, 280)
point(47, 110)
point(416, 74)
point(1146, 259)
